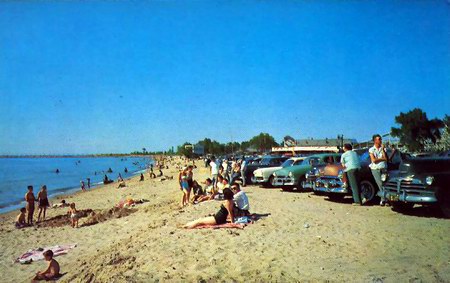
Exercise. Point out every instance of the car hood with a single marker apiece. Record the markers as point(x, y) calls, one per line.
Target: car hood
point(296, 170)
point(268, 169)
point(423, 166)
point(332, 170)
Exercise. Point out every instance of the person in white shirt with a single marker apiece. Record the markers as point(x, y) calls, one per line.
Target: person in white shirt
point(214, 171)
point(240, 201)
point(379, 164)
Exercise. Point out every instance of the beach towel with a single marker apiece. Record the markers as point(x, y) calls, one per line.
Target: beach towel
point(38, 254)
point(225, 225)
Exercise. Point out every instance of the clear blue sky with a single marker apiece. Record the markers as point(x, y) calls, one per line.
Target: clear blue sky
point(97, 77)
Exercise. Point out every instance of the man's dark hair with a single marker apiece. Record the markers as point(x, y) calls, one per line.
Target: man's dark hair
point(48, 253)
point(30, 187)
point(209, 180)
point(23, 209)
point(375, 136)
point(236, 186)
point(348, 146)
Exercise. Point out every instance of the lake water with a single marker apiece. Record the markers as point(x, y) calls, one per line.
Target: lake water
point(17, 173)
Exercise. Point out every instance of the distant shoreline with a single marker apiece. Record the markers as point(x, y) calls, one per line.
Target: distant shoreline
point(78, 156)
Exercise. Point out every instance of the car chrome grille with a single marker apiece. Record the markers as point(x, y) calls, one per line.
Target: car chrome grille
point(403, 184)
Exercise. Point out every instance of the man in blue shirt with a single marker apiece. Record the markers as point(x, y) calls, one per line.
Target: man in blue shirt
point(350, 162)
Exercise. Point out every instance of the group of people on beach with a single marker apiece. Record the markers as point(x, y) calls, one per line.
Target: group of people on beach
point(26, 216)
point(217, 187)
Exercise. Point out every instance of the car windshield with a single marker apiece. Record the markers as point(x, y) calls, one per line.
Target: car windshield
point(311, 161)
point(287, 163)
point(266, 161)
point(365, 157)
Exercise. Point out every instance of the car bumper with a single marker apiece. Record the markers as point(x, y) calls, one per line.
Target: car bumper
point(283, 181)
point(407, 191)
point(308, 184)
point(331, 185)
point(259, 179)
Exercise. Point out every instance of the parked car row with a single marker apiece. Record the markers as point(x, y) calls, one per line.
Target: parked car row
point(406, 182)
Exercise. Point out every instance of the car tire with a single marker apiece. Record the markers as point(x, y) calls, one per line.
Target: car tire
point(368, 191)
point(269, 184)
point(300, 182)
point(287, 189)
point(402, 206)
point(336, 197)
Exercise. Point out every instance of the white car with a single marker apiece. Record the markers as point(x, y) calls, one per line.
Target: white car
point(263, 176)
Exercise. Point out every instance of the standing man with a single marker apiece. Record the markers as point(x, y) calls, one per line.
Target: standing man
point(350, 162)
point(243, 168)
point(214, 171)
point(30, 199)
point(379, 159)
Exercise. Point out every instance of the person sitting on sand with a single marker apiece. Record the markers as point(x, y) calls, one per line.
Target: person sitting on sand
point(61, 204)
point(106, 180)
point(240, 199)
point(151, 174)
point(43, 202)
point(74, 216)
point(52, 271)
point(121, 184)
point(197, 190)
point(208, 190)
point(30, 199)
point(225, 212)
point(20, 220)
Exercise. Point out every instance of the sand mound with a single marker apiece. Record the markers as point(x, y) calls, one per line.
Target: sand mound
point(104, 215)
point(63, 220)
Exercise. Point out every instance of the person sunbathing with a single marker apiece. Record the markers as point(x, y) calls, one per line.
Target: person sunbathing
point(61, 204)
point(52, 271)
point(225, 212)
point(20, 220)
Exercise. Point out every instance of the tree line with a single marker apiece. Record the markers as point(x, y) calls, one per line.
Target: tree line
point(416, 132)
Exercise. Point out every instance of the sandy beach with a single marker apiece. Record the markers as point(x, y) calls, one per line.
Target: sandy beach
point(299, 237)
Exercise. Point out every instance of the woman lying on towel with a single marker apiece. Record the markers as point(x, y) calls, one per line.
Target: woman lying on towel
point(225, 212)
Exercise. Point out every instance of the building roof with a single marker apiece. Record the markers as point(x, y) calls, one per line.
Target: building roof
point(322, 142)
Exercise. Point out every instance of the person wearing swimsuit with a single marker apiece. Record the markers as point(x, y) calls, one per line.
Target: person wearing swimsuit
point(225, 212)
point(30, 199)
point(43, 202)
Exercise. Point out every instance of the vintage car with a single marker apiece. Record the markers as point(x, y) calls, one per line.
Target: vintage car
point(332, 180)
point(293, 177)
point(263, 176)
point(266, 161)
point(424, 180)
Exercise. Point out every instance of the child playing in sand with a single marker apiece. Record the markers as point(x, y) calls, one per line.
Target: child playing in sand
point(52, 271)
point(20, 220)
point(73, 212)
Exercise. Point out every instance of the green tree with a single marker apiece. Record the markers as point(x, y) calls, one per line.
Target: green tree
point(185, 149)
point(416, 130)
point(443, 144)
point(263, 142)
